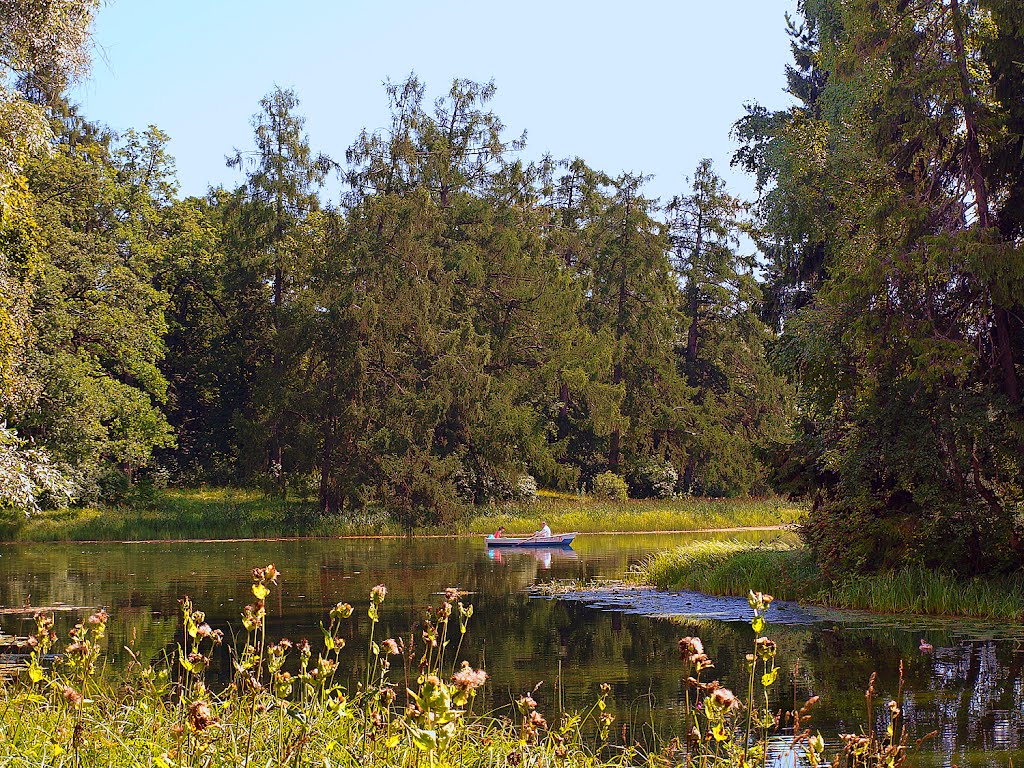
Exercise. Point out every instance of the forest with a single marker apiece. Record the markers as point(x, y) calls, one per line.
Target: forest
point(466, 325)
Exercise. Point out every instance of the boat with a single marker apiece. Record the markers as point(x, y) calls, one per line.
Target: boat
point(559, 540)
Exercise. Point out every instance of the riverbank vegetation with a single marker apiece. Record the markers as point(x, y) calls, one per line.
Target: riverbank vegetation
point(409, 701)
point(790, 571)
point(466, 324)
point(228, 513)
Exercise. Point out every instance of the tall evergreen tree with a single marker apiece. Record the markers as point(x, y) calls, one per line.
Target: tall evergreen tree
point(283, 178)
point(909, 353)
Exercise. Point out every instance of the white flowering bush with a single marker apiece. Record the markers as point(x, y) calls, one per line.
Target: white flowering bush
point(27, 474)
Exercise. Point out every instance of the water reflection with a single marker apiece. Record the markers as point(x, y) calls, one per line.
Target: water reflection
point(543, 555)
point(969, 690)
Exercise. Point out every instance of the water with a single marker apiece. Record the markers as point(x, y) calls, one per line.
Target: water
point(970, 690)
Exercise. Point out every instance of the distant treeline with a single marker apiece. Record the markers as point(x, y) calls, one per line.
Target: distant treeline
point(465, 324)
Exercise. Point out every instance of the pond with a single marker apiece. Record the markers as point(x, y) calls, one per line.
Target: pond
point(970, 689)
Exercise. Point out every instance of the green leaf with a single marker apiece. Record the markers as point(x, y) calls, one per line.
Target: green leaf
point(769, 677)
point(423, 739)
point(183, 660)
point(758, 625)
point(260, 591)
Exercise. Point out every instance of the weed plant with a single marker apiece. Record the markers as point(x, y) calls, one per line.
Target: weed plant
point(409, 704)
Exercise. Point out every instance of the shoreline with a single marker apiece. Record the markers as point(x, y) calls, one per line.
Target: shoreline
point(733, 569)
point(384, 536)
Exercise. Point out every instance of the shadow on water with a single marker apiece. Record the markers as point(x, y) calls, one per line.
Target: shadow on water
point(970, 689)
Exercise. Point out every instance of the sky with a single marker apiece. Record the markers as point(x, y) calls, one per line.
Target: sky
point(643, 86)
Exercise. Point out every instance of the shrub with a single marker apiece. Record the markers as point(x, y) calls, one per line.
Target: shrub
point(526, 488)
point(653, 479)
point(611, 486)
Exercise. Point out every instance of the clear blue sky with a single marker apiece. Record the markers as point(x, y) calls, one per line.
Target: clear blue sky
point(639, 86)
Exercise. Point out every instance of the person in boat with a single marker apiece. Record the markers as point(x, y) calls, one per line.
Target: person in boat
point(545, 530)
point(500, 533)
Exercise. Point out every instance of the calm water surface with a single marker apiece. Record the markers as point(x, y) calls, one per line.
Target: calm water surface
point(970, 689)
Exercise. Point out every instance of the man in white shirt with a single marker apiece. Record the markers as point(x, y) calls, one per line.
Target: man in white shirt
point(544, 531)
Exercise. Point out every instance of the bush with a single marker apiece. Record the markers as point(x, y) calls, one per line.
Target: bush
point(653, 479)
point(610, 486)
point(526, 488)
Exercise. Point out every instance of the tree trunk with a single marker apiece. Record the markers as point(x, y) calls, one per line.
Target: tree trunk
point(1001, 318)
point(620, 332)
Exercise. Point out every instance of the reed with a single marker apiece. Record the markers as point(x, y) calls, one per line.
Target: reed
point(733, 567)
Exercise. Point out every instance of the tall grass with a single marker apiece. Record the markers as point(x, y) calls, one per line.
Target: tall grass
point(406, 704)
point(934, 593)
point(731, 568)
point(590, 514)
point(734, 567)
point(222, 513)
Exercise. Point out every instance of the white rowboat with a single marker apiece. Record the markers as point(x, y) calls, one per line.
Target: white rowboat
point(561, 540)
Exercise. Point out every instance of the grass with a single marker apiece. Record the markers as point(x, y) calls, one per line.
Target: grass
point(403, 705)
point(787, 570)
point(222, 513)
point(781, 568)
point(589, 514)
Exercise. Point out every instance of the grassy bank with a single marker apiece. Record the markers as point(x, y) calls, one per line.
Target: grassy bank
point(787, 571)
point(237, 513)
point(589, 514)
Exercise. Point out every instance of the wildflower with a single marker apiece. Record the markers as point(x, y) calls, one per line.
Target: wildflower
point(265, 575)
point(691, 649)
point(452, 594)
point(100, 617)
point(77, 648)
point(71, 696)
point(252, 615)
point(765, 648)
point(218, 637)
point(526, 703)
point(341, 611)
point(605, 689)
point(725, 699)
point(894, 709)
point(390, 647)
point(759, 601)
point(203, 631)
point(378, 593)
point(468, 679)
point(200, 716)
point(537, 720)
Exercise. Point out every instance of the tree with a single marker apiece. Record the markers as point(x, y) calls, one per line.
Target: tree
point(281, 189)
point(738, 406)
point(38, 41)
point(907, 354)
